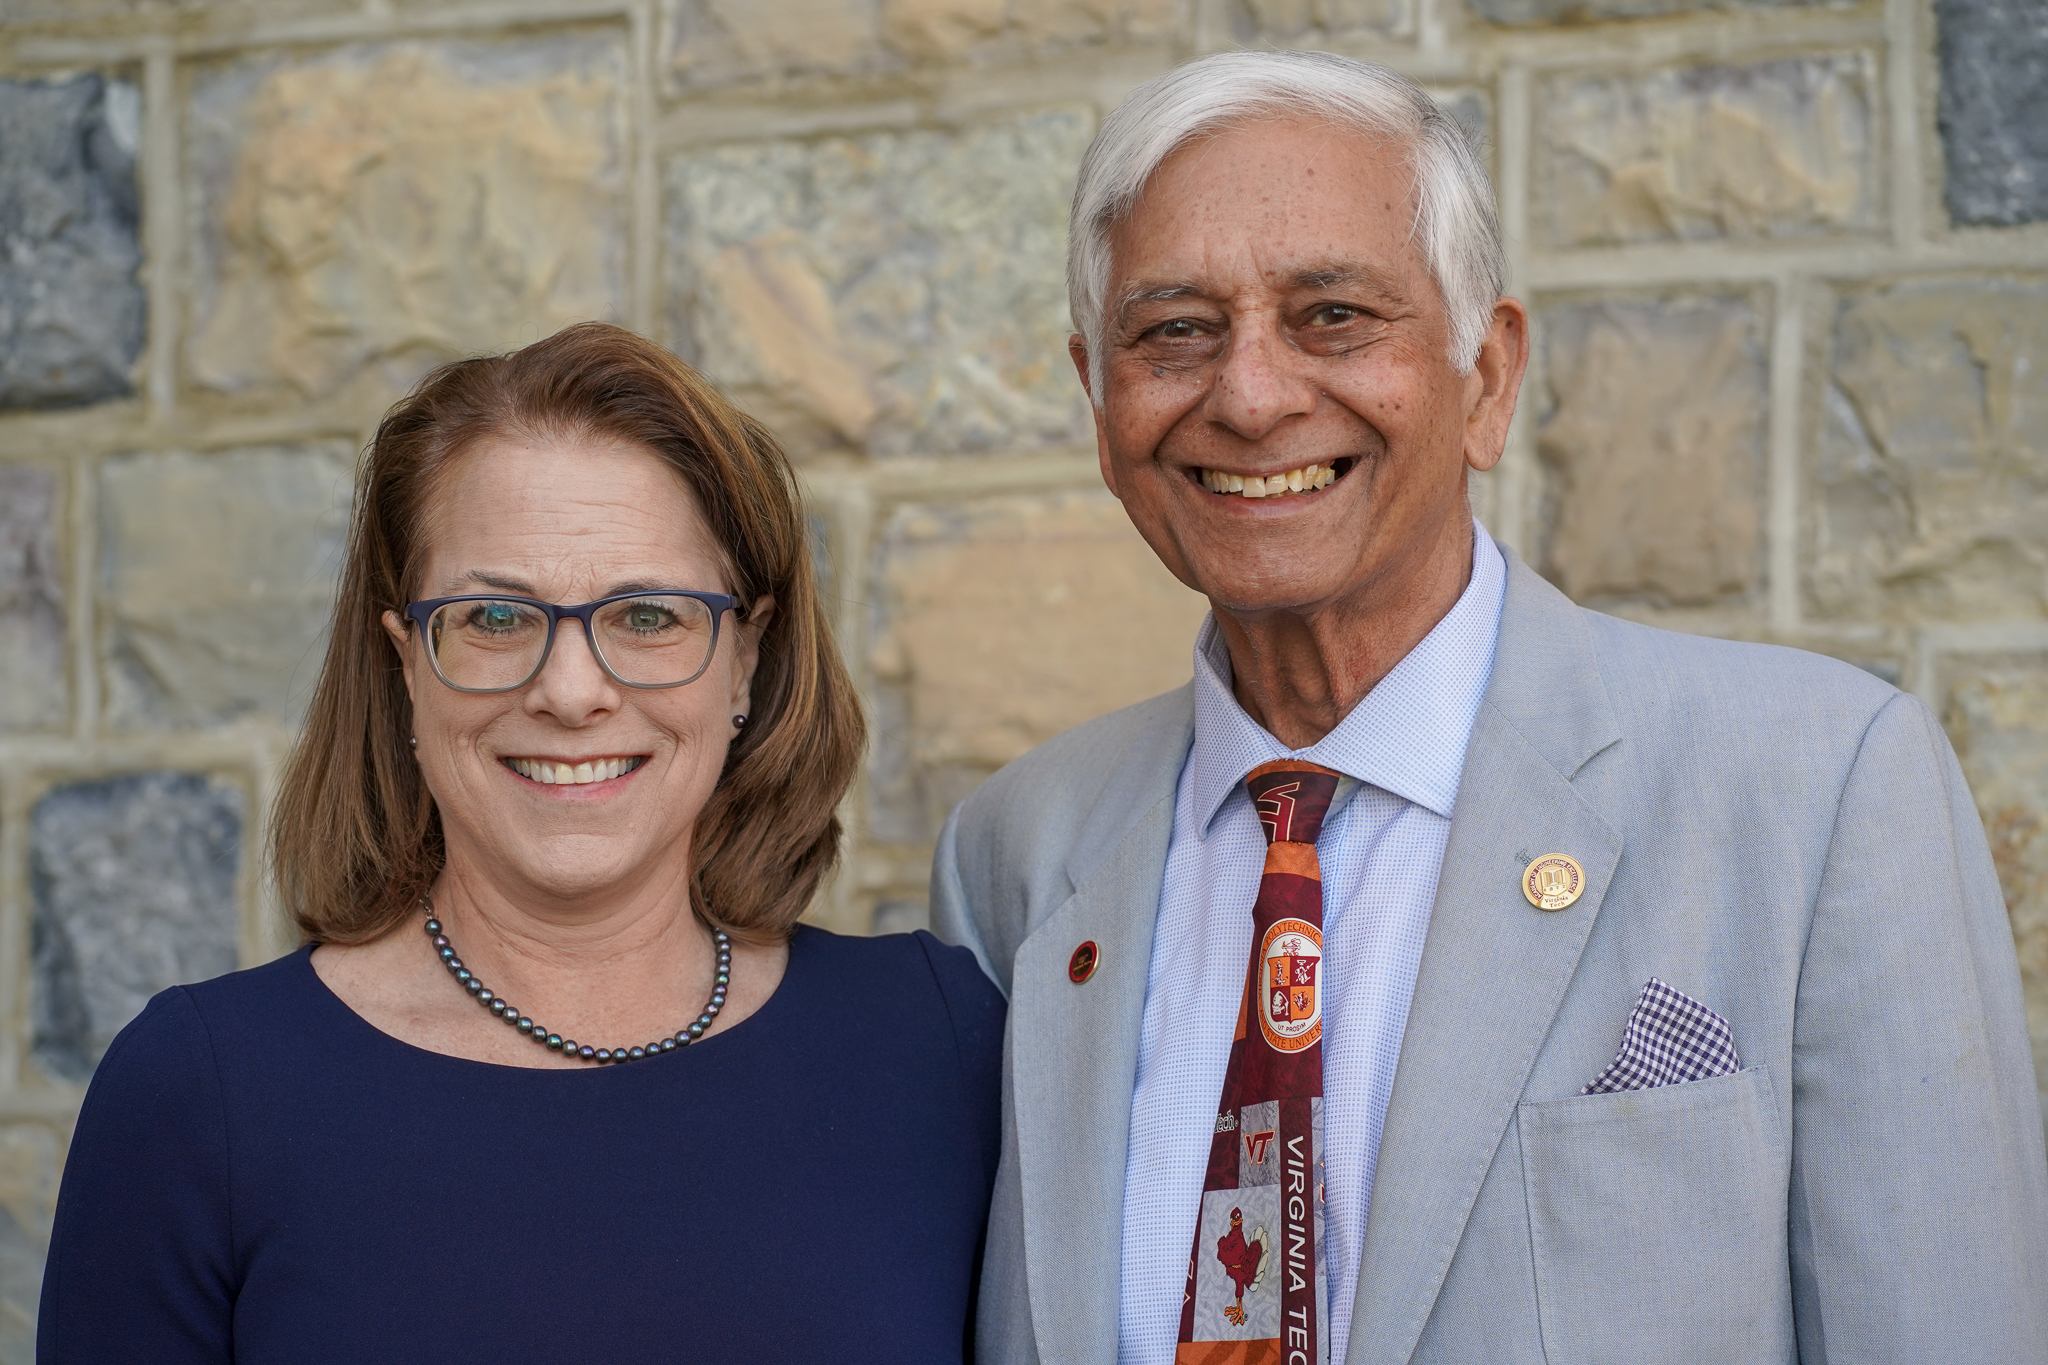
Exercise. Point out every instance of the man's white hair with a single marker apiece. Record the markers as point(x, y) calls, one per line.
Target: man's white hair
point(1455, 219)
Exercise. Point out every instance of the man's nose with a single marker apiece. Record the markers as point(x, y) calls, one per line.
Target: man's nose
point(1263, 380)
point(572, 685)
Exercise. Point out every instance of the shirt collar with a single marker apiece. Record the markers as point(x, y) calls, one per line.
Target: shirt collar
point(1407, 736)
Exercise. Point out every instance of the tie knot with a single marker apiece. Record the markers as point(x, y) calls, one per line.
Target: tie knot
point(1292, 798)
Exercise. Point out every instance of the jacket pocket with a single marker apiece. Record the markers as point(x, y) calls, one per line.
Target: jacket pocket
point(1657, 1223)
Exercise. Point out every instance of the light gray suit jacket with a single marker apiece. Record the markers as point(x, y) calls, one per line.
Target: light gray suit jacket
point(1780, 836)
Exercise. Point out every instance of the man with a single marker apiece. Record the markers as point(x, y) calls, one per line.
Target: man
point(1449, 973)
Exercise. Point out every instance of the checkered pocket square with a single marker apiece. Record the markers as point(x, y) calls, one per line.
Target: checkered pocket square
point(1671, 1038)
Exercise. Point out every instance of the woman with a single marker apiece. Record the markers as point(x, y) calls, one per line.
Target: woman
point(577, 745)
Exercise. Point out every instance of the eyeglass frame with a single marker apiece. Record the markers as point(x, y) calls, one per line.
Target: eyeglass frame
point(719, 603)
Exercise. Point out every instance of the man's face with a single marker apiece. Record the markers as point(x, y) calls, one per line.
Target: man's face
point(1269, 314)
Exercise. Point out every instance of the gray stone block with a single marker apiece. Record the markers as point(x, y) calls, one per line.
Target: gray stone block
point(216, 581)
point(32, 669)
point(899, 293)
point(1928, 490)
point(133, 880)
point(1993, 109)
point(71, 309)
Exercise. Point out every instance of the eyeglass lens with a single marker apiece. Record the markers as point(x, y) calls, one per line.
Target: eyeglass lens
point(655, 640)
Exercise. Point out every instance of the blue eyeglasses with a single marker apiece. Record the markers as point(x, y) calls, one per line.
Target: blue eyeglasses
point(642, 639)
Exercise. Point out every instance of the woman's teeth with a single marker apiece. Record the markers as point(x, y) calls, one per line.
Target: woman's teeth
point(1307, 479)
point(572, 774)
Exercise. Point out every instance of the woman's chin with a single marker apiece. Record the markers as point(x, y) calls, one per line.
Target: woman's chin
point(535, 867)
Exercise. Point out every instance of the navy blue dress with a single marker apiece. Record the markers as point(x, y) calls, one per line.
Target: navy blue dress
point(260, 1176)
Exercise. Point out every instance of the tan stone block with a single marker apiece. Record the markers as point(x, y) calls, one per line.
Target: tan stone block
point(725, 40)
point(897, 293)
point(1929, 491)
point(1283, 21)
point(217, 580)
point(1002, 622)
point(28, 1177)
point(31, 1159)
point(1471, 108)
point(1071, 21)
point(126, 11)
point(1582, 12)
point(935, 30)
point(1654, 440)
point(1997, 717)
point(381, 209)
point(1774, 149)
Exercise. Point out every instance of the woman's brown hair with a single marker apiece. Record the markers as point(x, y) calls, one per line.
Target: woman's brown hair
point(355, 841)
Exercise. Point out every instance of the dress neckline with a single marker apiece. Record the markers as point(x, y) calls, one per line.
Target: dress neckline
point(801, 943)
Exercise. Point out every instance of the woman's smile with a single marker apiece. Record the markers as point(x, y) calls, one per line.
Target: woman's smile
point(575, 772)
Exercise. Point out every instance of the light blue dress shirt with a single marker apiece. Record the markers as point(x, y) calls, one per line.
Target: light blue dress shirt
point(1380, 855)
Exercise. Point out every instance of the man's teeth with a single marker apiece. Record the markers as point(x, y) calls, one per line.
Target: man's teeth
point(571, 774)
point(1306, 479)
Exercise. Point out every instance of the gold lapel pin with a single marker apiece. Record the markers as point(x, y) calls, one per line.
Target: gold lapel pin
point(1081, 965)
point(1553, 881)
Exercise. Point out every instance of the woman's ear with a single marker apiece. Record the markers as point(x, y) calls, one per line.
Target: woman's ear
point(398, 628)
point(747, 650)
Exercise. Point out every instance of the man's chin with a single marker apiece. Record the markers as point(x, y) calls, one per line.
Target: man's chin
point(1262, 600)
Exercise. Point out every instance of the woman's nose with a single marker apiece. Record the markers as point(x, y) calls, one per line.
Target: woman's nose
point(572, 685)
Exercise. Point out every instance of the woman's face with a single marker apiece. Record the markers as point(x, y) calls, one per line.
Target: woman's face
point(569, 521)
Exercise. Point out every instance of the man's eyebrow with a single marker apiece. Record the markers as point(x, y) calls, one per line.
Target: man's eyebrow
point(1332, 275)
point(1345, 274)
point(1154, 293)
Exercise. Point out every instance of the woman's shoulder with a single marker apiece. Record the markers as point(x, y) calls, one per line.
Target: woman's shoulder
point(163, 1080)
point(187, 1025)
point(259, 997)
point(889, 974)
point(887, 956)
point(928, 998)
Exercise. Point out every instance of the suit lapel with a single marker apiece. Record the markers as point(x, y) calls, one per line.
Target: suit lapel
point(1074, 1051)
point(1494, 968)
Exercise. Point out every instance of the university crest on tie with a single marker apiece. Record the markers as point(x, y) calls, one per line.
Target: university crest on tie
point(1292, 1017)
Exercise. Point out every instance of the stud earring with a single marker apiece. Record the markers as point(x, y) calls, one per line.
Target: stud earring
point(739, 722)
point(414, 742)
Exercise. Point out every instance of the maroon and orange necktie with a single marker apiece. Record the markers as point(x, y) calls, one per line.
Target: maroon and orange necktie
point(1257, 1286)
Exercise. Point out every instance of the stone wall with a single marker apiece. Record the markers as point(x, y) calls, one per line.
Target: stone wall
point(1788, 263)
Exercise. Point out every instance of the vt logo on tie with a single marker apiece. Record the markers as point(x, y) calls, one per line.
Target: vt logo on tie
point(1257, 1288)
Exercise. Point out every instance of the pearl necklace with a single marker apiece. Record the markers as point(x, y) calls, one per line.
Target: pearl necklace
point(568, 1047)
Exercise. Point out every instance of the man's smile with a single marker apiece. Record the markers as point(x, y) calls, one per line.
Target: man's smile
point(1307, 479)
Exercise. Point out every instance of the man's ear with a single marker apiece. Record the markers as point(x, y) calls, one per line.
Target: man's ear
point(1077, 350)
point(398, 628)
point(1494, 384)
